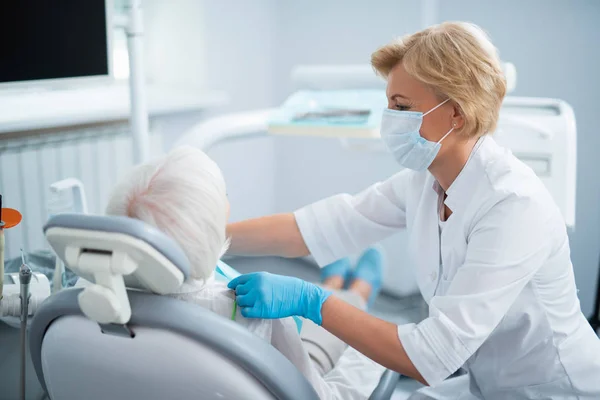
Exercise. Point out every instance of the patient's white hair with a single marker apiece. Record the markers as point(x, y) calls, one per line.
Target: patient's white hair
point(183, 195)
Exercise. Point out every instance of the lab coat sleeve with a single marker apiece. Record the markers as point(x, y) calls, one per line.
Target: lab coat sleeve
point(354, 376)
point(341, 225)
point(506, 247)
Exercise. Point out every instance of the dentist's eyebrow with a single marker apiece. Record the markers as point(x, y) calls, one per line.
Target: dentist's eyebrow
point(394, 96)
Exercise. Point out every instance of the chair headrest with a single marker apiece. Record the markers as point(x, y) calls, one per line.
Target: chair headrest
point(114, 253)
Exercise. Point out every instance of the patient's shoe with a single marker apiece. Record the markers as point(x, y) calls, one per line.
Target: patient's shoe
point(339, 268)
point(369, 268)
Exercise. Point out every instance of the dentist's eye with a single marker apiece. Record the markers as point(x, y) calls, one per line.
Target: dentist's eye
point(401, 107)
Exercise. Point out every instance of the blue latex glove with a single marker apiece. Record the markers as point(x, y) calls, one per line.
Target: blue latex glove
point(265, 295)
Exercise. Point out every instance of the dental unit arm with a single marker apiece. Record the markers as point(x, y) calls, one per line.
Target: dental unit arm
point(134, 29)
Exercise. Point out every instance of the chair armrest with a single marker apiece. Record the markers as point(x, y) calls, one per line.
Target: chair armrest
point(387, 385)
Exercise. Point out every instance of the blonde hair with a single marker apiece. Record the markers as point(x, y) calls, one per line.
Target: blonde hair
point(183, 195)
point(458, 61)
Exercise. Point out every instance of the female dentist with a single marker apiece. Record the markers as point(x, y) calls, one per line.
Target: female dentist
point(490, 246)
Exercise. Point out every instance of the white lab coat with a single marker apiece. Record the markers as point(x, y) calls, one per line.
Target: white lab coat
point(498, 278)
point(354, 376)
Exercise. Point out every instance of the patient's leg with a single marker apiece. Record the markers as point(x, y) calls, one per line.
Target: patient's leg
point(324, 348)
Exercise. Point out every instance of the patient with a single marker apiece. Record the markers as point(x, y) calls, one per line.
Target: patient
point(183, 194)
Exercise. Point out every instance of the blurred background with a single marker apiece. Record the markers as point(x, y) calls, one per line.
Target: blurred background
point(65, 74)
point(209, 58)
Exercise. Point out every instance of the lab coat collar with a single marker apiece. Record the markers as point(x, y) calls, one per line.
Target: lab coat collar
point(460, 193)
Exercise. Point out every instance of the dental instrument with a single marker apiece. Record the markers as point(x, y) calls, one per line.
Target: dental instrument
point(24, 280)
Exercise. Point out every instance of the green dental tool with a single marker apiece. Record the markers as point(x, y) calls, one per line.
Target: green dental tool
point(234, 310)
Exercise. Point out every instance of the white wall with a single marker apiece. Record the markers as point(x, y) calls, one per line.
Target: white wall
point(175, 42)
point(223, 45)
point(336, 32)
point(249, 47)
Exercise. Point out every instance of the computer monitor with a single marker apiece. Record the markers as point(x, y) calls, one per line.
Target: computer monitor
point(54, 41)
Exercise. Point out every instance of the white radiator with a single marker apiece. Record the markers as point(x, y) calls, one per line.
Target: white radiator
point(97, 156)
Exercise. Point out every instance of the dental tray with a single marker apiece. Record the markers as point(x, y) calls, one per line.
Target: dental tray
point(337, 113)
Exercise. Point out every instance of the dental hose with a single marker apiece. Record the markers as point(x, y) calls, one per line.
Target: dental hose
point(24, 279)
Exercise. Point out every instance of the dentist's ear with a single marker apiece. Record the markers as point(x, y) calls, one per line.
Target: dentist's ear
point(458, 120)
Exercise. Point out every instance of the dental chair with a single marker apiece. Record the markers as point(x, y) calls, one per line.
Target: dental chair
point(118, 338)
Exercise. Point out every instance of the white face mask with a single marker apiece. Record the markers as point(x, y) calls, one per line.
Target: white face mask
point(400, 133)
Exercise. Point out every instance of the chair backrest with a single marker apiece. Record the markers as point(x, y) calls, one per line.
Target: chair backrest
point(166, 348)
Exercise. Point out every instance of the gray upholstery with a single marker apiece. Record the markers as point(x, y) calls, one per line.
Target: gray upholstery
point(10, 349)
point(127, 226)
point(232, 341)
point(386, 387)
